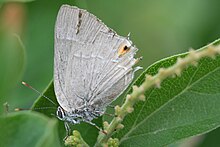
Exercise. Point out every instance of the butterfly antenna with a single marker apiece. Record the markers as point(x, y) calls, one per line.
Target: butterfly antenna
point(41, 94)
point(39, 108)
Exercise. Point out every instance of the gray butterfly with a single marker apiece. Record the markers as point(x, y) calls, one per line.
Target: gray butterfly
point(92, 65)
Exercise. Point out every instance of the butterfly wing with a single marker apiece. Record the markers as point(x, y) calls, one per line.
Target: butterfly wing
point(84, 62)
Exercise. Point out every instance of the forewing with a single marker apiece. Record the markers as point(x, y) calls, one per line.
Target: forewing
point(84, 63)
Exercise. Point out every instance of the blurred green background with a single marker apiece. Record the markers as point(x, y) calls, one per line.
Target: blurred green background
point(158, 28)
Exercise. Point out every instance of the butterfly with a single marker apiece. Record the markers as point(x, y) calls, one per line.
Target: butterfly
point(92, 65)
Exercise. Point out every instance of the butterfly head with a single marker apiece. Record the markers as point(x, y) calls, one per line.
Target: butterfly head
point(75, 117)
point(72, 118)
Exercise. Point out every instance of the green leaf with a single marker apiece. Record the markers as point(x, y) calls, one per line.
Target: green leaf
point(184, 106)
point(30, 129)
point(42, 105)
point(12, 62)
point(16, 1)
point(210, 139)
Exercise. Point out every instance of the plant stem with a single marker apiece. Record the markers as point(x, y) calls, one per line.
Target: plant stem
point(138, 92)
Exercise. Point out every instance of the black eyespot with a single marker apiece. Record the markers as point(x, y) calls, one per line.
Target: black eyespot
point(125, 47)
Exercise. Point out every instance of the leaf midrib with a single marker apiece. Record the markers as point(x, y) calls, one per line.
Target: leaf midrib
point(135, 122)
point(152, 114)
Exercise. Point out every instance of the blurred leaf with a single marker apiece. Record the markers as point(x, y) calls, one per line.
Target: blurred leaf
point(12, 60)
point(184, 106)
point(211, 139)
point(188, 142)
point(28, 129)
point(16, 0)
point(88, 132)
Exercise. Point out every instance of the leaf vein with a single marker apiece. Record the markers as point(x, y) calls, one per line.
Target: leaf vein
point(164, 129)
point(172, 99)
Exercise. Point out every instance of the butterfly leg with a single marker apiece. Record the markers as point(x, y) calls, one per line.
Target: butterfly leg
point(103, 113)
point(111, 106)
point(100, 129)
point(109, 114)
point(68, 130)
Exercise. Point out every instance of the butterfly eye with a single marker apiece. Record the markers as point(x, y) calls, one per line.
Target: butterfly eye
point(123, 49)
point(60, 113)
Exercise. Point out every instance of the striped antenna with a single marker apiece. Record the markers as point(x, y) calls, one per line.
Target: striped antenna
point(41, 94)
point(40, 108)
